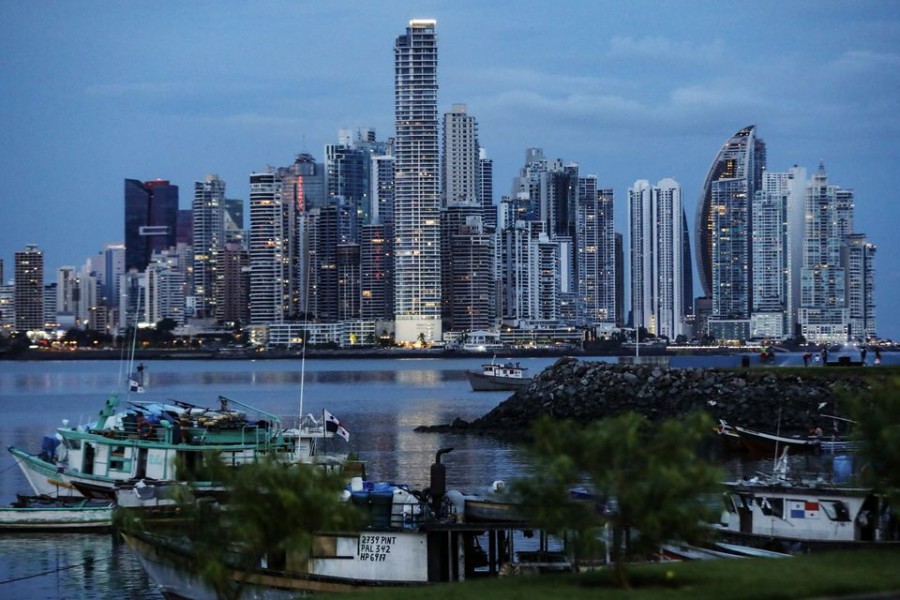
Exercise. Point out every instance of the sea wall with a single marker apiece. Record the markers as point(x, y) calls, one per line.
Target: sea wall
point(792, 399)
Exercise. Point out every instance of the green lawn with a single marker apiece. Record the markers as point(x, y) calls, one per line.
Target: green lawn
point(831, 574)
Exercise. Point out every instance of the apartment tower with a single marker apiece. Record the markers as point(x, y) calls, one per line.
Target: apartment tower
point(417, 192)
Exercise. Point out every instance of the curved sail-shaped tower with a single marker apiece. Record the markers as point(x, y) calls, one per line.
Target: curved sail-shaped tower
point(723, 234)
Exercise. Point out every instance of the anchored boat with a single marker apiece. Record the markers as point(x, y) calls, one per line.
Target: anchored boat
point(149, 440)
point(499, 377)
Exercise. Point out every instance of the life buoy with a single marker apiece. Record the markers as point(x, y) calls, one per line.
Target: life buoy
point(144, 428)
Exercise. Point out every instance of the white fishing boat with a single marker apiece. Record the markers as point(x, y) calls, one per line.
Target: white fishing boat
point(150, 440)
point(797, 513)
point(498, 377)
point(37, 513)
point(408, 539)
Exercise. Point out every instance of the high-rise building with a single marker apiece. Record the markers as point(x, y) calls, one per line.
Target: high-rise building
point(151, 220)
point(417, 244)
point(724, 253)
point(234, 301)
point(7, 307)
point(348, 168)
point(823, 313)
point(234, 222)
point(272, 250)
point(468, 268)
point(382, 192)
point(686, 262)
point(772, 253)
point(860, 265)
point(279, 269)
point(209, 241)
point(106, 267)
point(486, 189)
point(164, 292)
point(461, 156)
point(376, 273)
point(655, 222)
point(29, 291)
point(619, 262)
point(595, 254)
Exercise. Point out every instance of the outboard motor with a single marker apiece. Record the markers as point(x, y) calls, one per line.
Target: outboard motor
point(438, 480)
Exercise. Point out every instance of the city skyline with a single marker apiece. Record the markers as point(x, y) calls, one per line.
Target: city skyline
point(118, 96)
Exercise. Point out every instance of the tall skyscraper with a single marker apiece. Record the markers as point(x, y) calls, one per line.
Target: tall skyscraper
point(279, 266)
point(417, 246)
point(486, 189)
point(778, 217)
point(860, 265)
point(272, 250)
point(771, 284)
point(29, 291)
point(595, 254)
point(655, 222)
point(823, 313)
point(724, 254)
point(209, 242)
point(460, 157)
point(151, 220)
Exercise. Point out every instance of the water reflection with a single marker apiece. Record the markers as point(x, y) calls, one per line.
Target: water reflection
point(90, 566)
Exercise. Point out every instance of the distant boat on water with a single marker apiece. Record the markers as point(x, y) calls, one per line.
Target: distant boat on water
point(499, 377)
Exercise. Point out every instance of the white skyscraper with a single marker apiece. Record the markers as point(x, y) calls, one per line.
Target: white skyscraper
point(823, 313)
point(860, 264)
point(657, 233)
point(417, 233)
point(208, 215)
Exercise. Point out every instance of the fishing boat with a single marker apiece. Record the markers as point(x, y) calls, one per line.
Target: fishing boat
point(499, 377)
point(799, 514)
point(408, 538)
point(148, 440)
point(40, 513)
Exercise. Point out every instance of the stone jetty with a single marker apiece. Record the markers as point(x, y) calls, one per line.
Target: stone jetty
point(759, 398)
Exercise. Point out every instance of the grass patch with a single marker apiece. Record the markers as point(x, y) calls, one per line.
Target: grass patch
point(810, 576)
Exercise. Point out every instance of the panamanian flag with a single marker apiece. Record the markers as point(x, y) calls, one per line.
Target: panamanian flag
point(804, 509)
point(334, 426)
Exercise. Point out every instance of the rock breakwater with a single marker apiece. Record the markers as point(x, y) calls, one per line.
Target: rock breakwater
point(585, 391)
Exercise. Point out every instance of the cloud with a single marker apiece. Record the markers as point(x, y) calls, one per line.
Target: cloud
point(660, 48)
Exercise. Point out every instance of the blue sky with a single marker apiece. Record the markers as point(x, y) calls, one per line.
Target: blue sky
point(96, 92)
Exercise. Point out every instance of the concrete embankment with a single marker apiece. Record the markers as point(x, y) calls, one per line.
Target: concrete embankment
point(789, 399)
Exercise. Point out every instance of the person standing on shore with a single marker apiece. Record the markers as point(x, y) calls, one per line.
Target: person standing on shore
point(877, 356)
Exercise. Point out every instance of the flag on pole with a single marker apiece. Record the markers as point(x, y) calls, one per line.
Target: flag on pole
point(334, 426)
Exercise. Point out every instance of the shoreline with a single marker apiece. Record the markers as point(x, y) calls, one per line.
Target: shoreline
point(365, 353)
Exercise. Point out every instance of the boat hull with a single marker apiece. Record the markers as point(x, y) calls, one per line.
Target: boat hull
point(491, 383)
point(45, 478)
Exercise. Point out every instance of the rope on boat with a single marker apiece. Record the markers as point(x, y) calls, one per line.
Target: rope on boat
point(50, 572)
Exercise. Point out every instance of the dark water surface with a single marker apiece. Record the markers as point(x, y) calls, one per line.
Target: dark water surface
point(380, 401)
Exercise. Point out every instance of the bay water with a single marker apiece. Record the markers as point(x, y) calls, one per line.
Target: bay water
point(379, 401)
